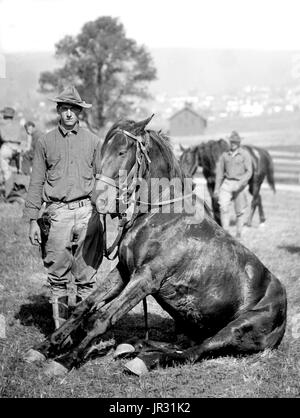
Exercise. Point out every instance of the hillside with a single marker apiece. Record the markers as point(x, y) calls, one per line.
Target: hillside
point(180, 71)
point(220, 71)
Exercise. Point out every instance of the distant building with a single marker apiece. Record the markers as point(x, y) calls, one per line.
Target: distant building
point(187, 122)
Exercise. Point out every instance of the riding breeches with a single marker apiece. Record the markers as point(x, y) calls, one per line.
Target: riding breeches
point(74, 248)
point(227, 195)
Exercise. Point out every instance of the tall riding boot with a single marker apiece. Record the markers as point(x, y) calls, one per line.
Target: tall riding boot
point(60, 310)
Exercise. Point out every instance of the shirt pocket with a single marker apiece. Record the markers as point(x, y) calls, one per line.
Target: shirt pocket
point(239, 159)
point(54, 171)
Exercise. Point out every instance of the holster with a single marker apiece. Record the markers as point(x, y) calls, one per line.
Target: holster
point(44, 222)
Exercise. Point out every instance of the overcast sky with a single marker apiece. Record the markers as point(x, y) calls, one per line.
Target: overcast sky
point(36, 25)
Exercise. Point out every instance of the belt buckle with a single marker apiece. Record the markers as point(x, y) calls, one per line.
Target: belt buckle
point(72, 205)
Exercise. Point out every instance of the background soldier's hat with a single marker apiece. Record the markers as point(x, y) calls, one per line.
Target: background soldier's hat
point(8, 112)
point(71, 96)
point(235, 137)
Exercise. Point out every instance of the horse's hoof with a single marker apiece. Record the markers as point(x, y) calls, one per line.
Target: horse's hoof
point(136, 366)
point(54, 369)
point(262, 225)
point(123, 349)
point(33, 356)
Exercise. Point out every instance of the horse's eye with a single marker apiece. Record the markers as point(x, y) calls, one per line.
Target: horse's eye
point(122, 152)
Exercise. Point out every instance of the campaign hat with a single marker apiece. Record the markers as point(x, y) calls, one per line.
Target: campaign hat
point(70, 95)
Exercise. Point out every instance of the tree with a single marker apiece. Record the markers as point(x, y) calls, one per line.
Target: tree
point(109, 70)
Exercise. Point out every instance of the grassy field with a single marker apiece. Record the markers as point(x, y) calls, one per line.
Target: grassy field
point(28, 319)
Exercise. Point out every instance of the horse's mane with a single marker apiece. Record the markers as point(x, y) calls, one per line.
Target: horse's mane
point(162, 141)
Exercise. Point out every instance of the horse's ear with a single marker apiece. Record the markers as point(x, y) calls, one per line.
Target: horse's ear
point(139, 127)
point(181, 148)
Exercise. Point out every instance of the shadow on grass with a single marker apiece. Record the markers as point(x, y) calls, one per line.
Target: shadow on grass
point(292, 249)
point(132, 326)
point(38, 313)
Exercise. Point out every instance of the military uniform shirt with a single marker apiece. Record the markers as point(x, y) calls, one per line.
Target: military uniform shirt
point(64, 168)
point(235, 165)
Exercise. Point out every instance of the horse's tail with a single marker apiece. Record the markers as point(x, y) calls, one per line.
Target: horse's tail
point(270, 172)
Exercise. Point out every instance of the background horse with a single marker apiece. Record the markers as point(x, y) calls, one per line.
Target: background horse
point(207, 154)
point(219, 292)
point(16, 187)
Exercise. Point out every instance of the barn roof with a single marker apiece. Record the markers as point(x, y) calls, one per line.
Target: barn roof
point(187, 108)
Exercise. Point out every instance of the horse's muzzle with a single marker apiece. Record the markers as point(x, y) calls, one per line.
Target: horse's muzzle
point(105, 197)
point(102, 205)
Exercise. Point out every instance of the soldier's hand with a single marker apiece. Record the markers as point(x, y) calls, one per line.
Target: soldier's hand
point(34, 233)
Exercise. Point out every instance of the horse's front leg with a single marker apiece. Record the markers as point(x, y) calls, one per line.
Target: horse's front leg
point(253, 192)
point(108, 288)
point(216, 210)
point(256, 202)
point(139, 286)
point(214, 203)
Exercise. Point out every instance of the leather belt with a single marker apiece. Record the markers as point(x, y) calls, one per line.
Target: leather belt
point(71, 205)
point(78, 203)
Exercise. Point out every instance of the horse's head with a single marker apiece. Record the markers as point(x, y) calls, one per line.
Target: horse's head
point(124, 157)
point(189, 160)
point(133, 161)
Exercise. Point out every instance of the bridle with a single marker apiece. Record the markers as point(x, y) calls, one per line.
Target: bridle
point(128, 187)
point(142, 162)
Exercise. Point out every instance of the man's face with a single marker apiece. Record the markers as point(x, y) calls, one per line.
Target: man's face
point(29, 129)
point(69, 114)
point(234, 145)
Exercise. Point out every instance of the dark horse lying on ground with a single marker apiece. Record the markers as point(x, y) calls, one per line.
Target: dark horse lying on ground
point(219, 292)
point(207, 154)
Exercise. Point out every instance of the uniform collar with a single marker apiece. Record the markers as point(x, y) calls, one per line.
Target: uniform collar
point(237, 151)
point(65, 131)
point(8, 121)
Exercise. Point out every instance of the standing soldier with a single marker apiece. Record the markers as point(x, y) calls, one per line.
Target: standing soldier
point(70, 230)
point(233, 171)
point(33, 134)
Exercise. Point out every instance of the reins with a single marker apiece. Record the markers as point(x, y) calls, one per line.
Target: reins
point(108, 251)
point(142, 159)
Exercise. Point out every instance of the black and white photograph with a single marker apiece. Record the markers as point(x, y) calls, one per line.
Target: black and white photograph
point(149, 201)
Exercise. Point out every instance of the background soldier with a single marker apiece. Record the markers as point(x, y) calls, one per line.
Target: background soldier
point(33, 134)
point(10, 143)
point(63, 177)
point(233, 171)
